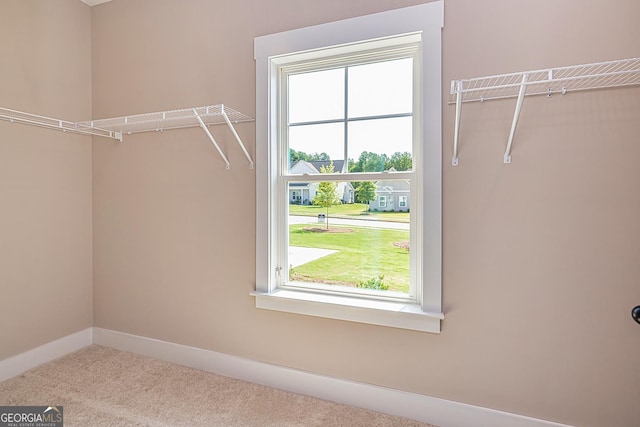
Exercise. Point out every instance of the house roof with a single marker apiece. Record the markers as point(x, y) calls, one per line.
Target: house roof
point(395, 186)
point(303, 166)
point(337, 164)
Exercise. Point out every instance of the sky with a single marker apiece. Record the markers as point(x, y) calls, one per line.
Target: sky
point(375, 89)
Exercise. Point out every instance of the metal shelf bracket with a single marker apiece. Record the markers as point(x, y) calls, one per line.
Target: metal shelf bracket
point(457, 88)
point(516, 115)
point(211, 138)
point(235, 134)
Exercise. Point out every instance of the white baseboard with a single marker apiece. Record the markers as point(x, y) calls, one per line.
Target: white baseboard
point(440, 412)
point(16, 365)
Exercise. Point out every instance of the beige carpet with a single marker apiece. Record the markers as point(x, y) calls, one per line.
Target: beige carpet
point(99, 386)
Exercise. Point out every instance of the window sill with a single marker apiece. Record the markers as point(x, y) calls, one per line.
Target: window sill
point(375, 312)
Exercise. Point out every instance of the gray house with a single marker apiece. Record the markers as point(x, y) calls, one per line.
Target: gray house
point(391, 196)
point(303, 193)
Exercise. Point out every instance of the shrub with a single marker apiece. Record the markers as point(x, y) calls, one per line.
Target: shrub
point(376, 283)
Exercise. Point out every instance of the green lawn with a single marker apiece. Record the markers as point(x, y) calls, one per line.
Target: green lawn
point(362, 254)
point(352, 211)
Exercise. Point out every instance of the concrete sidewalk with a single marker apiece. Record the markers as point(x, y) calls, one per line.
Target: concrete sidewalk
point(299, 256)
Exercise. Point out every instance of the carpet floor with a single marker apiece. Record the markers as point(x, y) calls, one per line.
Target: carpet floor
point(100, 386)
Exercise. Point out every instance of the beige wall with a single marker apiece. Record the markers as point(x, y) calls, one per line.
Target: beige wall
point(45, 175)
point(540, 257)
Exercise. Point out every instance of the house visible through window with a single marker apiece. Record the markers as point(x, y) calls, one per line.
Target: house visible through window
point(343, 200)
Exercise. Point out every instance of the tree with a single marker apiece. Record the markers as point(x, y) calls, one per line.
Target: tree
point(294, 156)
point(369, 162)
point(400, 161)
point(366, 192)
point(327, 194)
point(320, 157)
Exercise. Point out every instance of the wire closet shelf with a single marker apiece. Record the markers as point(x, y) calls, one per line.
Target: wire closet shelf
point(176, 119)
point(14, 116)
point(601, 75)
point(115, 128)
point(166, 120)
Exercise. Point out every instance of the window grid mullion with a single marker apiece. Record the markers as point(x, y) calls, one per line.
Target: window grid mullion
point(345, 167)
point(352, 119)
point(353, 176)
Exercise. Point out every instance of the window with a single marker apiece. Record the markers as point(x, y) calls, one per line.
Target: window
point(382, 201)
point(344, 114)
point(345, 109)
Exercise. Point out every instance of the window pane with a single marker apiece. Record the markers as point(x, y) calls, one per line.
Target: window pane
point(316, 96)
point(382, 138)
point(381, 88)
point(339, 236)
point(314, 143)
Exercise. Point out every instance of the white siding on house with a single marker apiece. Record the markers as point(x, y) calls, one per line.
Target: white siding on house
point(304, 193)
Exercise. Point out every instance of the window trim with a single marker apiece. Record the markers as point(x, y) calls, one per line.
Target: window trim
point(426, 19)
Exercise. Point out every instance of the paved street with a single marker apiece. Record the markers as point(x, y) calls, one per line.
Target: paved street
point(293, 219)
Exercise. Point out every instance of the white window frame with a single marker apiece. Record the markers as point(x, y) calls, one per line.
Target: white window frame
point(382, 201)
point(426, 313)
point(402, 201)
